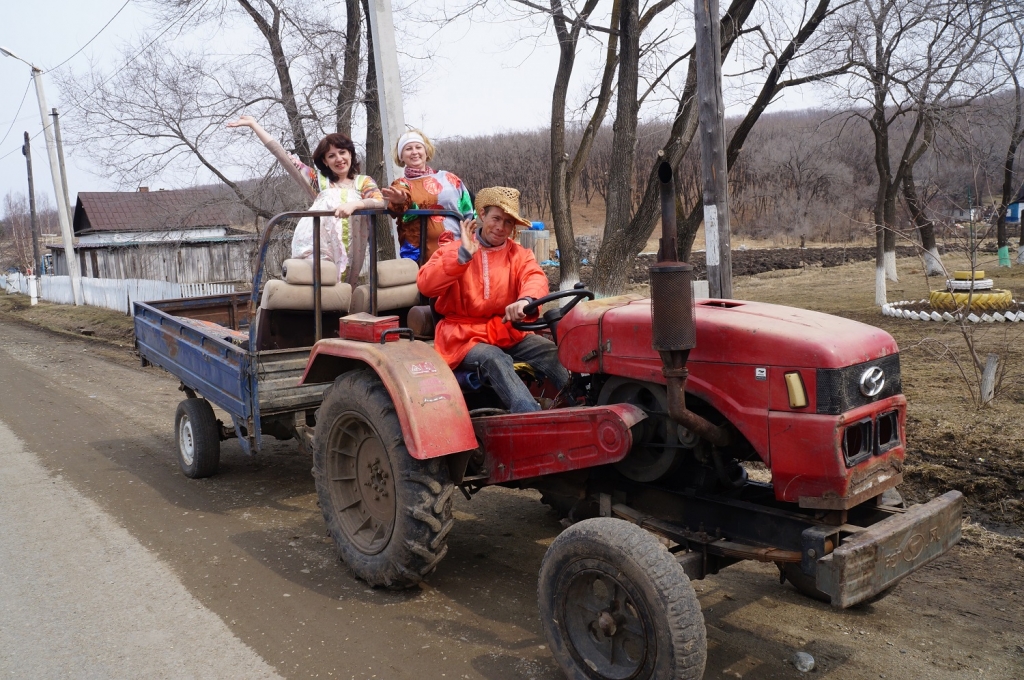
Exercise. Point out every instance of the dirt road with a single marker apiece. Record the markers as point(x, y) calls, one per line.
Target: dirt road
point(249, 546)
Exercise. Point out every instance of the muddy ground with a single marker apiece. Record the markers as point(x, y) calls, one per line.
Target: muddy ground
point(249, 543)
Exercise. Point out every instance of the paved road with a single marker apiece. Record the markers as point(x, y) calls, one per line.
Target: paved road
point(113, 564)
point(81, 597)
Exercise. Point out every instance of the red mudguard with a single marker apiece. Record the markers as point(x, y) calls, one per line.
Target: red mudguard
point(433, 415)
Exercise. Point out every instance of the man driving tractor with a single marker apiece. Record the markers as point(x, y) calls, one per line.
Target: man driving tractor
point(482, 283)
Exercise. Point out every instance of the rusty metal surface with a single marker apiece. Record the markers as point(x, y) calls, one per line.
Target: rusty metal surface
point(868, 562)
point(524, 445)
point(429, 403)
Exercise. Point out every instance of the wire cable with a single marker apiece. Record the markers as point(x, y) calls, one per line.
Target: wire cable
point(18, 112)
point(92, 38)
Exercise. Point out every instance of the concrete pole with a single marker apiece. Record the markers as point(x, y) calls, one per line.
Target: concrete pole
point(711, 115)
point(63, 173)
point(37, 267)
point(389, 80)
point(58, 192)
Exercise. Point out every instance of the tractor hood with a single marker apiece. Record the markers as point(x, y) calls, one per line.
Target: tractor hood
point(730, 332)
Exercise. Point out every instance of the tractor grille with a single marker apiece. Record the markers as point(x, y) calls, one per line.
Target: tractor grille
point(839, 388)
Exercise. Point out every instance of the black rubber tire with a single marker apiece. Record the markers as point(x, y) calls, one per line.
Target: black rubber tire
point(197, 438)
point(657, 622)
point(421, 489)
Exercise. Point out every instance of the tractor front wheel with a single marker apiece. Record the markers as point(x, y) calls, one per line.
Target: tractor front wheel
point(615, 604)
point(388, 513)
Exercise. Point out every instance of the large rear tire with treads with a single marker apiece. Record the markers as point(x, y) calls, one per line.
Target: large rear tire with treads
point(388, 513)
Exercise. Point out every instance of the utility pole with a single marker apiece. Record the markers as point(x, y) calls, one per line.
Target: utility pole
point(26, 151)
point(714, 168)
point(60, 160)
point(62, 208)
point(389, 80)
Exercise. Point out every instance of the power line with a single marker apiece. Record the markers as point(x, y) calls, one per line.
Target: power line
point(92, 38)
point(18, 112)
point(135, 56)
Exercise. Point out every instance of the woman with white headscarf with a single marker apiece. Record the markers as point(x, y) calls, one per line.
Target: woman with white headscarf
point(423, 188)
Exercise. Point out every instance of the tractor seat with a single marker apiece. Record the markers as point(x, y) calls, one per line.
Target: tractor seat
point(423, 319)
point(295, 292)
point(396, 287)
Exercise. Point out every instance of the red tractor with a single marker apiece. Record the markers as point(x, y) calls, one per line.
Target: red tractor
point(644, 452)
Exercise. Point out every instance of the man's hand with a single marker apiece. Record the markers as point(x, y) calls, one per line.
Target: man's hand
point(514, 312)
point(468, 230)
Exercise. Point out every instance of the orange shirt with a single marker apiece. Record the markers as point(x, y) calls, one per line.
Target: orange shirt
point(472, 297)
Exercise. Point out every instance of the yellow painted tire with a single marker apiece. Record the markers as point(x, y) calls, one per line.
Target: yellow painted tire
point(967, 275)
point(981, 301)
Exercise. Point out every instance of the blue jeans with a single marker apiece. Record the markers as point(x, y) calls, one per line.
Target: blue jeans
point(494, 365)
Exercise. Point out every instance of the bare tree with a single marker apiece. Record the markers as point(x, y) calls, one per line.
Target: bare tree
point(1010, 55)
point(162, 111)
point(911, 58)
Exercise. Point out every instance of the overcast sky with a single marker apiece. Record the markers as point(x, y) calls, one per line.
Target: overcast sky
point(474, 67)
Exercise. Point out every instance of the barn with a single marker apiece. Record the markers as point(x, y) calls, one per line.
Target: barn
point(181, 236)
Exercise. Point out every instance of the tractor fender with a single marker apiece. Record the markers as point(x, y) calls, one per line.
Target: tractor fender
point(431, 410)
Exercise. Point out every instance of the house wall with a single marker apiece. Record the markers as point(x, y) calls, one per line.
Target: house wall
point(155, 236)
point(221, 261)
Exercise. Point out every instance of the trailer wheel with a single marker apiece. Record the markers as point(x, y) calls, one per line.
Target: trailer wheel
point(388, 513)
point(197, 437)
point(615, 604)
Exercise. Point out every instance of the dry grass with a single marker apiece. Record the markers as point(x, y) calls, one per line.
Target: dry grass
point(104, 325)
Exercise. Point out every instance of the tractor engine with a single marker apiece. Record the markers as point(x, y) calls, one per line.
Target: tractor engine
point(816, 398)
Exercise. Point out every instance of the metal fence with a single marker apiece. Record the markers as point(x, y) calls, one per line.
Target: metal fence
point(117, 294)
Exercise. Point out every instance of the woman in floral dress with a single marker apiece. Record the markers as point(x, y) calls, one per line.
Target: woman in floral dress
point(421, 187)
point(341, 189)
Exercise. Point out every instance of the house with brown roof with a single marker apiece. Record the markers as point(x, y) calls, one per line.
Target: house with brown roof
point(183, 236)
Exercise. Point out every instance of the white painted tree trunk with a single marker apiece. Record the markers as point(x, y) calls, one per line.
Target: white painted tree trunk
point(890, 266)
point(988, 378)
point(933, 263)
point(880, 293)
point(1020, 255)
point(567, 284)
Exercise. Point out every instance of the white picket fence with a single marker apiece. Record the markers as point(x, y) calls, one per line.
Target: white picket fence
point(118, 294)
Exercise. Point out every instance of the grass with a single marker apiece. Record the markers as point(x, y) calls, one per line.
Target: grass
point(105, 325)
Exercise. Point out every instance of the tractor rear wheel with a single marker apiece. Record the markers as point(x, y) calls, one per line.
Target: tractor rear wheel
point(615, 604)
point(388, 513)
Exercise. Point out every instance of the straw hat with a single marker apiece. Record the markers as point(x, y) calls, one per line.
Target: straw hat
point(505, 198)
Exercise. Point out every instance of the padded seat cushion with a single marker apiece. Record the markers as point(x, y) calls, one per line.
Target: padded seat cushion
point(279, 294)
point(300, 272)
point(398, 297)
point(400, 272)
point(421, 321)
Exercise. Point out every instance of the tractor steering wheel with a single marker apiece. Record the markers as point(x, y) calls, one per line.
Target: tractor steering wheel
point(551, 317)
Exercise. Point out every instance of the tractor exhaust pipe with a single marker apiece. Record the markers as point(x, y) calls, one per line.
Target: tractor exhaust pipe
point(673, 325)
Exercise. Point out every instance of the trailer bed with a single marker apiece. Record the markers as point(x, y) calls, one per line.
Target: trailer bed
point(204, 343)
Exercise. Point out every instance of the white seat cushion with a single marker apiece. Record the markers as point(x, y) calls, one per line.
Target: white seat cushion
point(300, 272)
point(400, 272)
point(398, 297)
point(279, 294)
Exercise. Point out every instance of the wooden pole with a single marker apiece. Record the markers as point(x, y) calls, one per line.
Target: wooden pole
point(389, 80)
point(26, 151)
point(711, 115)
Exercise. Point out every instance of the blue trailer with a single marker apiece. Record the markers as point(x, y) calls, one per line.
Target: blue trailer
point(214, 347)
